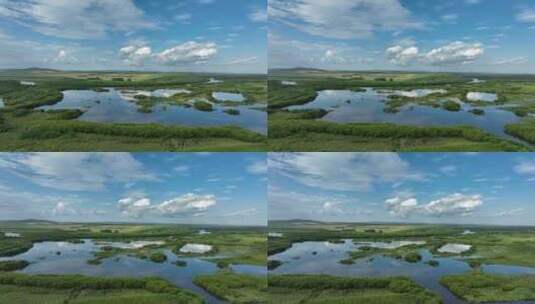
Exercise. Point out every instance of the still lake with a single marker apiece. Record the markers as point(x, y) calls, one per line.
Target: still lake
point(73, 260)
point(115, 106)
point(347, 106)
point(324, 257)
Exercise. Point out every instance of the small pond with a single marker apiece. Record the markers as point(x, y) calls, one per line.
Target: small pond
point(12, 235)
point(288, 83)
point(117, 106)
point(213, 80)
point(224, 96)
point(27, 83)
point(347, 106)
point(480, 96)
point(2, 104)
point(324, 257)
point(72, 259)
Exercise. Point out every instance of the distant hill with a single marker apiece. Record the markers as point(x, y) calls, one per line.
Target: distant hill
point(30, 70)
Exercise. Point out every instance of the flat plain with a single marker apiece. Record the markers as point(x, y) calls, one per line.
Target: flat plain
point(53, 110)
point(321, 110)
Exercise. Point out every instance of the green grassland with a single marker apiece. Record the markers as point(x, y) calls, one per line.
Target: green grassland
point(301, 131)
point(337, 290)
point(490, 244)
point(244, 245)
point(231, 245)
point(478, 287)
point(24, 128)
point(70, 289)
point(235, 288)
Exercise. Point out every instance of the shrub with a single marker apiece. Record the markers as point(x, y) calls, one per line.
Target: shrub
point(158, 257)
point(477, 112)
point(451, 106)
point(203, 106)
point(413, 257)
point(273, 264)
point(232, 111)
point(13, 265)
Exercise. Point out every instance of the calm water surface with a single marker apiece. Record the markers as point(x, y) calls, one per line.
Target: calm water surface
point(368, 107)
point(300, 259)
point(224, 96)
point(73, 260)
point(114, 107)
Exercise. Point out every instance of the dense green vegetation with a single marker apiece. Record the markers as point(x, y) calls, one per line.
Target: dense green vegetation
point(13, 265)
point(232, 245)
point(316, 135)
point(235, 245)
point(302, 131)
point(478, 287)
point(203, 106)
point(235, 288)
point(56, 289)
point(273, 264)
point(490, 245)
point(524, 130)
point(330, 289)
point(11, 247)
point(451, 106)
point(158, 257)
point(24, 127)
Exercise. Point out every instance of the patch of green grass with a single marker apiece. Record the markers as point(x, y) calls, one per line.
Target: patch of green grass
point(479, 112)
point(13, 265)
point(83, 289)
point(330, 289)
point(235, 288)
point(158, 257)
point(313, 135)
point(478, 287)
point(273, 264)
point(203, 106)
point(413, 257)
point(12, 247)
point(232, 111)
point(451, 106)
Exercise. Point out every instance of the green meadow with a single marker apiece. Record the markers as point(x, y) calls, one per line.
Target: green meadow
point(23, 127)
point(489, 245)
point(229, 246)
point(303, 130)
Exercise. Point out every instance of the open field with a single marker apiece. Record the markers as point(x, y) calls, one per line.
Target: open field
point(386, 124)
point(329, 289)
point(498, 254)
point(235, 288)
point(24, 127)
point(477, 287)
point(148, 249)
point(19, 288)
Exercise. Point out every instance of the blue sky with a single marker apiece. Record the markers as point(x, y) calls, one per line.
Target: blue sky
point(168, 35)
point(457, 35)
point(469, 188)
point(200, 188)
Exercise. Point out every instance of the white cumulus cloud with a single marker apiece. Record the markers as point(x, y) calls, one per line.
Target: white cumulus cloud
point(187, 204)
point(188, 52)
point(88, 19)
point(343, 171)
point(455, 53)
point(452, 205)
point(76, 171)
point(135, 55)
point(343, 19)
